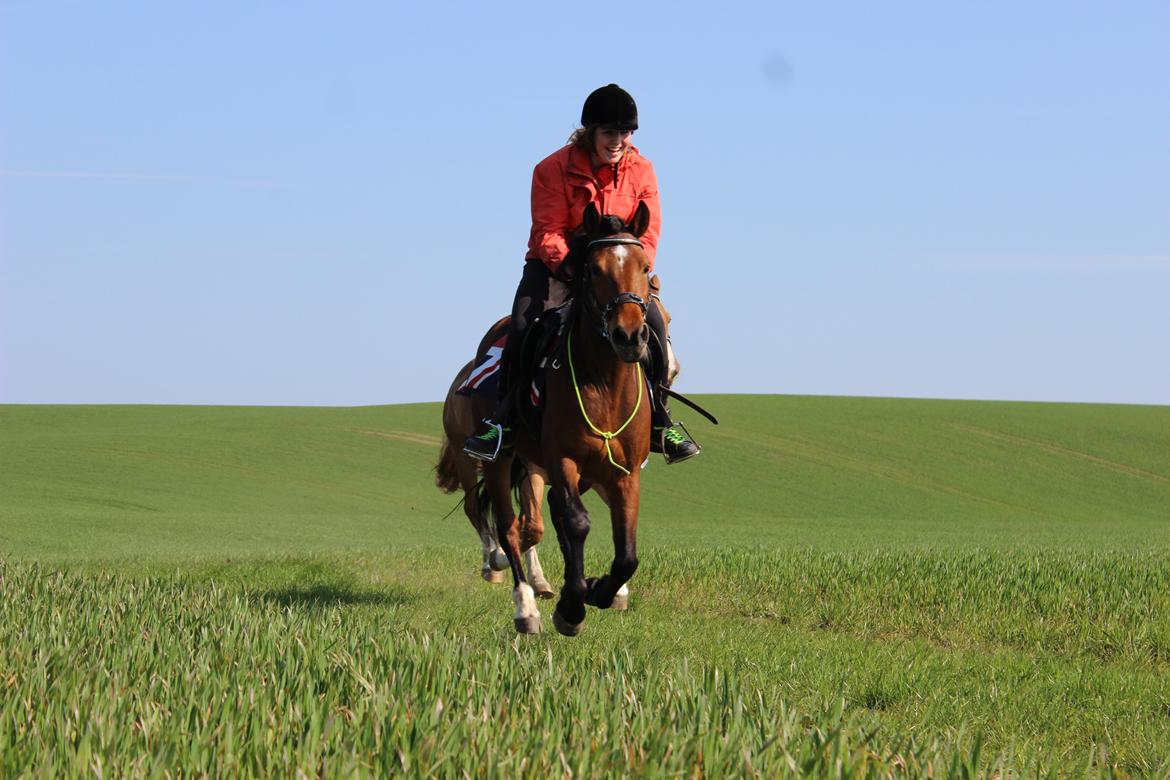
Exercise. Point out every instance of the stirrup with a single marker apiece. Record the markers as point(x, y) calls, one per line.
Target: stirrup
point(487, 446)
point(677, 447)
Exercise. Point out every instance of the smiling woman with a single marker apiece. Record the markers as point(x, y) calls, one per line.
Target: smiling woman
point(601, 167)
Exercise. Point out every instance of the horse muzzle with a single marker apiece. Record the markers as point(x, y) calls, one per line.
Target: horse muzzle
point(632, 347)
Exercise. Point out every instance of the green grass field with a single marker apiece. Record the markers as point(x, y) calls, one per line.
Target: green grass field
point(837, 587)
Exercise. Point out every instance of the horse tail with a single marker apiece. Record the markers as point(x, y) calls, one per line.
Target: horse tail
point(446, 475)
point(518, 475)
point(483, 502)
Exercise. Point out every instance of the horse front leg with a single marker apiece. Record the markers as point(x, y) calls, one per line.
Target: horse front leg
point(572, 523)
point(497, 480)
point(610, 590)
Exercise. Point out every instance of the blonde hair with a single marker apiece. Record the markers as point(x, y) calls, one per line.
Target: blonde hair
point(582, 138)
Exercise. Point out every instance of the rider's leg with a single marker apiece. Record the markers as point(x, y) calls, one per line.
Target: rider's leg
point(665, 437)
point(531, 296)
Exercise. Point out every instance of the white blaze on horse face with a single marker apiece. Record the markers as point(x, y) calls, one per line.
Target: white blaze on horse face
point(619, 254)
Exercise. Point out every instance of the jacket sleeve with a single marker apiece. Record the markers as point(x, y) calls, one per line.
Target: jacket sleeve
point(648, 194)
point(550, 214)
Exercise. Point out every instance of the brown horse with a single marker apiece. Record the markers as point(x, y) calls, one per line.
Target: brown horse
point(456, 470)
point(595, 430)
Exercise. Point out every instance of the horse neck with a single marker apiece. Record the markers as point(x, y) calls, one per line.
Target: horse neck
point(599, 368)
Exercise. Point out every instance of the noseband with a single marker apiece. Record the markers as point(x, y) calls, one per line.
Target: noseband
point(622, 298)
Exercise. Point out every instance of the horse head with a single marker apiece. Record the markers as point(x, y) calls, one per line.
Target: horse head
point(611, 276)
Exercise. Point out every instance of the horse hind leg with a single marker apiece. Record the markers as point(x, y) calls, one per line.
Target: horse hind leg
point(494, 560)
point(527, 617)
point(490, 569)
point(540, 585)
point(532, 531)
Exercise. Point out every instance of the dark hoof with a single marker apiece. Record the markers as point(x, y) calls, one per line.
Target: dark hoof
point(543, 591)
point(593, 597)
point(564, 626)
point(527, 625)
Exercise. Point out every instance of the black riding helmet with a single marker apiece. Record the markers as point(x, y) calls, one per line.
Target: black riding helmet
point(610, 106)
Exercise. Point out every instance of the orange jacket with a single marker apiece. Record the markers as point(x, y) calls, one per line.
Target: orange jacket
point(564, 183)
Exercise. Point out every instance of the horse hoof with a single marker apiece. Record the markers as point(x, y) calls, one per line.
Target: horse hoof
point(527, 625)
point(621, 600)
point(492, 576)
point(544, 590)
point(564, 626)
point(498, 560)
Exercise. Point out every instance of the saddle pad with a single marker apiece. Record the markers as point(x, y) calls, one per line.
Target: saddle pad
point(484, 379)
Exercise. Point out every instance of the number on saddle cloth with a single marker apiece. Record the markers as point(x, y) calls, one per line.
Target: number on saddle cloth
point(541, 342)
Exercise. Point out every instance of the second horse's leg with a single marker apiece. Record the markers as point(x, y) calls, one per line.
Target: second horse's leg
point(532, 530)
point(496, 477)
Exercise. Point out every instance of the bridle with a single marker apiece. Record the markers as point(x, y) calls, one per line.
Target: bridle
point(622, 298)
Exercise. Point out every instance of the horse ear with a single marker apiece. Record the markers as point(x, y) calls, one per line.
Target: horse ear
point(641, 219)
point(591, 221)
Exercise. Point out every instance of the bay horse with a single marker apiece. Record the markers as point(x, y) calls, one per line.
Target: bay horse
point(456, 470)
point(595, 426)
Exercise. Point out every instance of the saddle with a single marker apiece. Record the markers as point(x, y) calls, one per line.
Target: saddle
point(541, 344)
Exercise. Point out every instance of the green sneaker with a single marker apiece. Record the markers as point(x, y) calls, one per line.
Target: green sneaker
point(488, 446)
point(673, 442)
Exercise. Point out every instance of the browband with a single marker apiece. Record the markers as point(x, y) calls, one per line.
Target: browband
point(615, 240)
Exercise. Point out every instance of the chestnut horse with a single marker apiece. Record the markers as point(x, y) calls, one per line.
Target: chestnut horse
point(456, 470)
point(595, 429)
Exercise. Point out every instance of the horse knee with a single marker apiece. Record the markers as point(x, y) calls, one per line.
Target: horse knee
point(531, 532)
point(577, 524)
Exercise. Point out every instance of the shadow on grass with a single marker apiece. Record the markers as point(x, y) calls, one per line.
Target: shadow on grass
point(329, 596)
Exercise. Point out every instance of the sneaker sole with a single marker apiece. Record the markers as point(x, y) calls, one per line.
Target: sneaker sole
point(682, 458)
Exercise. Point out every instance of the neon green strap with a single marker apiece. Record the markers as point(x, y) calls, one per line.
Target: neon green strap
point(604, 435)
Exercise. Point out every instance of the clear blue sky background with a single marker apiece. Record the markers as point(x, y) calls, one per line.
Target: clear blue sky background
point(326, 203)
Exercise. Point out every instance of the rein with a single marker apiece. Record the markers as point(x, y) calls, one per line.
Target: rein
point(581, 404)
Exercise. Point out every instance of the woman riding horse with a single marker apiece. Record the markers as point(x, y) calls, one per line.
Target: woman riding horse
point(599, 166)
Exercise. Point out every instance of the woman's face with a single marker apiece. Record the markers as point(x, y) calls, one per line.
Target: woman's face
point(610, 144)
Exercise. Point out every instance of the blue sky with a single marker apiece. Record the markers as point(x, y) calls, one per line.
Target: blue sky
point(295, 203)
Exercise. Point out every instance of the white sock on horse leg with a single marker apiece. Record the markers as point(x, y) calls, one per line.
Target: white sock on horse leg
point(527, 619)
